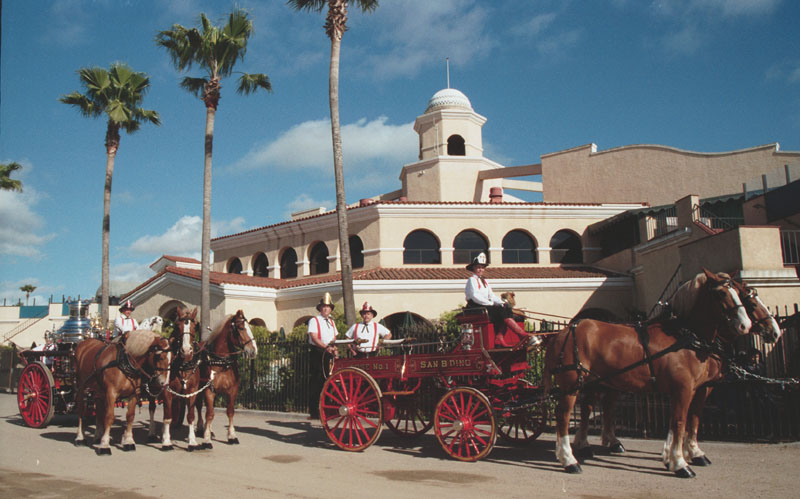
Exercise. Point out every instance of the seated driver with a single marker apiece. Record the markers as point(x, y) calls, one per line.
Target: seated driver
point(369, 331)
point(480, 295)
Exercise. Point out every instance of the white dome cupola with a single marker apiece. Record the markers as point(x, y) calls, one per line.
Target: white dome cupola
point(448, 97)
point(449, 126)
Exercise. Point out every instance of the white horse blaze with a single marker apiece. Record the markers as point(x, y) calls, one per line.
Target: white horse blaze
point(252, 340)
point(773, 324)
point(186, 347)
point(741, 314)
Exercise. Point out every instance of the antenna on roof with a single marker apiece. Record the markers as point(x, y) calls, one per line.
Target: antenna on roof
point(447, 61)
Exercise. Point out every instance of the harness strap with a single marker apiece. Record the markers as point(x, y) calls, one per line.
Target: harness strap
point(644, 339)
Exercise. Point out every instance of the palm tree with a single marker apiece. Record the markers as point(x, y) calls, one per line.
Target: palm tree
point(6, 182)
point(117, 93)
point(216, 50)
point(335, 26)
point(28, 289)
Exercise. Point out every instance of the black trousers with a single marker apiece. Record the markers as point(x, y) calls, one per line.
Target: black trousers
point(497, 313)
point(316, 379)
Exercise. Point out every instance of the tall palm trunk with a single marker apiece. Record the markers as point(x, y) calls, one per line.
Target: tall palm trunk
point(112, 145)
point(337, 15)
point(205, 272)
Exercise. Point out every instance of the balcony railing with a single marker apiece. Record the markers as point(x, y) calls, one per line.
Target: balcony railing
point(714, 221)
point(661, 223)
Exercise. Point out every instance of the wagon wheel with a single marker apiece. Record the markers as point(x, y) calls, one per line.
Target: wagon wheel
point(524, 425)
point(412, 415)
point(350, 409)
point(35, 395)
point(464, 424)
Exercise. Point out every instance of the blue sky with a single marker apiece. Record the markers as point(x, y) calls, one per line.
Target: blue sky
point(701, 75)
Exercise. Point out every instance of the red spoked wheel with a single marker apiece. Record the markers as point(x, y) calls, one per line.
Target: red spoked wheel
point(35, 395)
point(350, 409)
point(464, 424)
point(524, 425)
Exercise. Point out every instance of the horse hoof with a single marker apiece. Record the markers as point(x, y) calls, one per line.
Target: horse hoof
point(166, 447)
point(685, 473)
point(195, 447)
point(616, 448)
point(78, 443)
point(153, 439)
point(103, 451)
point(207, 445)
point(701, 461)
point(129, 447)
point(233, 441)
point(584, 453)
point(573, 469)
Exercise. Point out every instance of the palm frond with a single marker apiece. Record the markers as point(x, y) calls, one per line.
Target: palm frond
point(249, 83)
point(307, 5)
point(194, 85)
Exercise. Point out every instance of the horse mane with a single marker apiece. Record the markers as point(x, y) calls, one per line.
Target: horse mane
point(139, 341)
point(218, 328)
point(685, 296)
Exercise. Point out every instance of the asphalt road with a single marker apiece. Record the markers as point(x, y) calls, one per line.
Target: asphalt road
point(284, 455)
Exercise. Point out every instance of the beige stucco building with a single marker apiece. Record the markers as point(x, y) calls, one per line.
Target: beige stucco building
point(616, 231)
point(560, 256)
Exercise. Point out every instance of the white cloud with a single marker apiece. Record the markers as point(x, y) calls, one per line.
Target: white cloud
point(67, 23)
point(735, 7)
point(415, 34)
point(184, 237)
point(788, 72)
point(685, 41)
point(20, 225)
point(308, 146)
point(305, 202)
point(535, 25)
point(559, 43)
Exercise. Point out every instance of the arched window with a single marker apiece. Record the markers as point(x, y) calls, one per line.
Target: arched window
point(467, 245)
point(288, 263)
point(565, 247)
point(356, 249)
point(260, 264)
point(455, 146)
point(519, 247)
point(235, 266)
point(421, 246)
point(318, 259)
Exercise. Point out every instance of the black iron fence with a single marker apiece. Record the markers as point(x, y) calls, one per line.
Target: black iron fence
point(277, 380)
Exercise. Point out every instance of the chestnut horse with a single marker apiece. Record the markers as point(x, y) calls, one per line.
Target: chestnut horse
point(763, 323)
point(184, 379)
point(114, 371)
point(602, 355)
point(229, 339)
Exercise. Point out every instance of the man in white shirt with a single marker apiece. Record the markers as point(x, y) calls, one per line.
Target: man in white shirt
point(321, 333)
point(480, 295)
point(369, 331)
point(125, 323)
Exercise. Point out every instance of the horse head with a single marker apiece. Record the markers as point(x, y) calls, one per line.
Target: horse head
point(161, 360)
point(243, 335)
point(709, 301)
point(763, 321)
point(726, 298)
point(184, 331)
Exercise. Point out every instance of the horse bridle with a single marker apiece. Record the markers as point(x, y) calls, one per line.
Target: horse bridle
point(752, 296)
point(239, 323)
point(729, 314)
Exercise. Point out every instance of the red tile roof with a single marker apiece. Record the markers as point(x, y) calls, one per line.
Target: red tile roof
point(391, 274)
point(180, 259)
